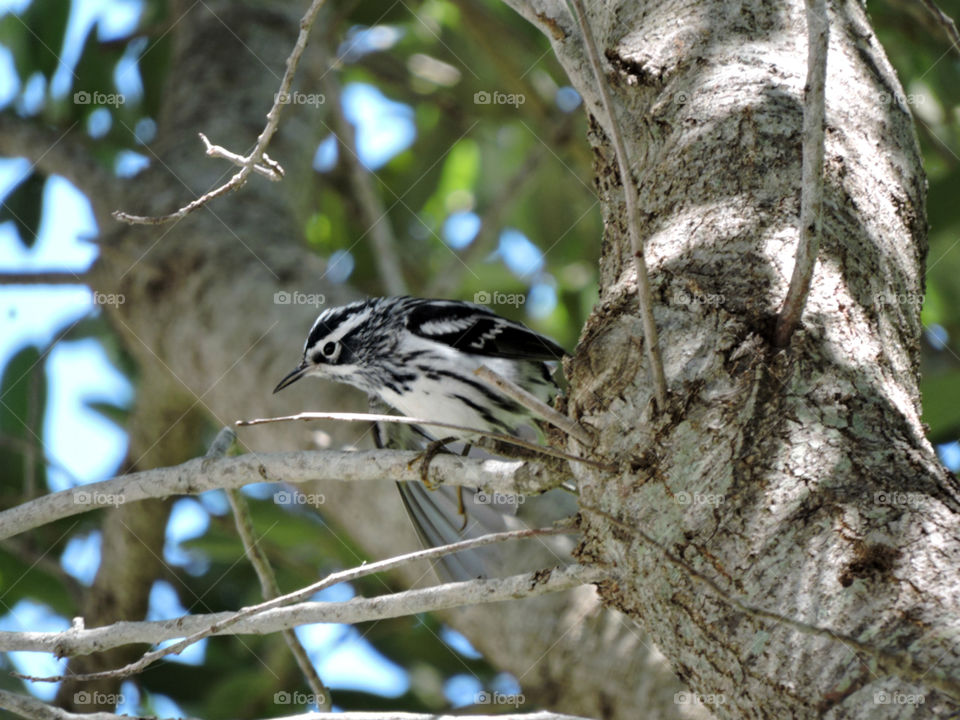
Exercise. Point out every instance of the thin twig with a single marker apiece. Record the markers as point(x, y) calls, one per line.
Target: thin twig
point(257, 155)
point(371, 417)
point(303, 593)
point(948, 24)
point(536, 405)
point(811, 197)
point(52, 277)
point(83, 641)
point(270, 169)
point(261, 564)
point(893, 663)
point(644, 293)
point(372, 210)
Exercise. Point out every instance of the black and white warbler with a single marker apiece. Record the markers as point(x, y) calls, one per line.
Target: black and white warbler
point(419, 356)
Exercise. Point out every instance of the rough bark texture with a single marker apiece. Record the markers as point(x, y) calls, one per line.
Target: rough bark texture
point(799, 480)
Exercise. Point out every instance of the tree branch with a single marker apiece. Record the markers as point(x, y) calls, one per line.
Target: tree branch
point(536, 405)
point(332, 579)
point(949, 26)
point(80, 641)
point(258, 155)
point(34, 709)
point(195, 476)
point(811, 199)
point(644, 294)
point(261, 564)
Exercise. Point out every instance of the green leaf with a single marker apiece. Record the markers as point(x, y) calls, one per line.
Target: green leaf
point(23, 388)
point(24, 206)
point(941, 405)
point(47, 20)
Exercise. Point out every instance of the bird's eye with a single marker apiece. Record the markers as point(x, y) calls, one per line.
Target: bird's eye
point(329, 349)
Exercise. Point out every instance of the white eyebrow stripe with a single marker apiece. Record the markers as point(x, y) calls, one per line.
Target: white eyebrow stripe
point(343, 328)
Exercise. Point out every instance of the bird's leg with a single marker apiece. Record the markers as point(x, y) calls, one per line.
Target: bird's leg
point(426, 457)
point(461, 508)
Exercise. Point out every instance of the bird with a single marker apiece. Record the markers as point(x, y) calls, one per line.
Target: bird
point(418, 356)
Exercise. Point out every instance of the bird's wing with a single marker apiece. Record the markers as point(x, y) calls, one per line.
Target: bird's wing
point(475, 329)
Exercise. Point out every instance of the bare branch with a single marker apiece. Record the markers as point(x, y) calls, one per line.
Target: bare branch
point(332, 579)
point(270, 169)
point(258, 155)
point(53, 277)
point(644, 294)
point(949, 26)
point(33, 709)
point(811, 198)
point(261, 564)
point(201, 474)
point(80, 641)
point(536, 405)
point(371, 417)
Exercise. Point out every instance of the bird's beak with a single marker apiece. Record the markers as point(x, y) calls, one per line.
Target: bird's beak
point(291, 377)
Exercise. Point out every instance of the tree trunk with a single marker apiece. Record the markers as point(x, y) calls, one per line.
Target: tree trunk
point(799, 481)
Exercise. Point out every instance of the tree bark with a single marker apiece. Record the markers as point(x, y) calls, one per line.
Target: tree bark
point(799, 481)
